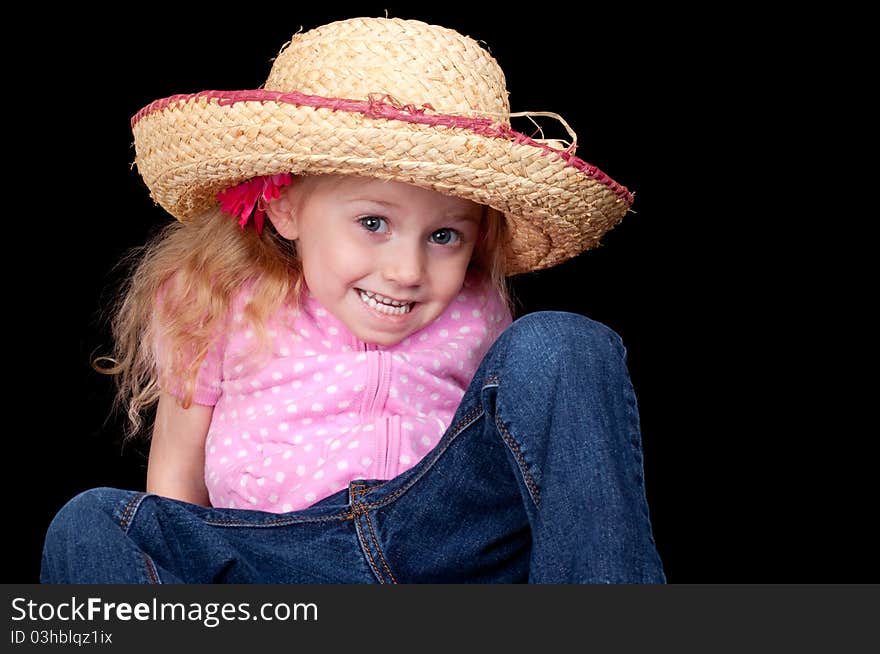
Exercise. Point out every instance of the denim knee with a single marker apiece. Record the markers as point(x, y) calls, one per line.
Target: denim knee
point(80, 512)
point(552, 336)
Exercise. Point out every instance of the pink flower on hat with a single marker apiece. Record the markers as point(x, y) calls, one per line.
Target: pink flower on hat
point(243, 200)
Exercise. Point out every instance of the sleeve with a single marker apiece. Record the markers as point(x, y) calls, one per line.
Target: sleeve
point(208, 379)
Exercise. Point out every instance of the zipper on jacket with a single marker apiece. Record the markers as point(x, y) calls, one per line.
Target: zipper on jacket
point(376, 394)
point(378, 383)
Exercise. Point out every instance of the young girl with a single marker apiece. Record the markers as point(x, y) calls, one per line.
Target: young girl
point(342, 393)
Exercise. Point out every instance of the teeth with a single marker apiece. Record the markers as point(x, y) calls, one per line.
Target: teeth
point(386, 300)
point(397, 309)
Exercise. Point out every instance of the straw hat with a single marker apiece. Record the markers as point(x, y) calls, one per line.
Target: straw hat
point(391, 99)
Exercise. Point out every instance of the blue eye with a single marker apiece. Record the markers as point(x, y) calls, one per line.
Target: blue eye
point(446, 232)
point(445, 236)
point(371, 223)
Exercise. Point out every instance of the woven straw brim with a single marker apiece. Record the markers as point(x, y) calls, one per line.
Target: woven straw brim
point(188, 148)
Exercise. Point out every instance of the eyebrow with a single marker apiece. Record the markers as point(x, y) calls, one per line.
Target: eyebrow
point(385, 203)
point(462, 217)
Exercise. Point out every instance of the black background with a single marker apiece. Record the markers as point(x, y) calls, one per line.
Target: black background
point(751, 470)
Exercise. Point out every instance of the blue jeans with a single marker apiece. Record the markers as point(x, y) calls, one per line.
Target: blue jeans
point(538, 479)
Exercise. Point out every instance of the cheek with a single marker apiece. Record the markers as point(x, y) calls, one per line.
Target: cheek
point(330, 249)
point(451, 280)
point(344, 261)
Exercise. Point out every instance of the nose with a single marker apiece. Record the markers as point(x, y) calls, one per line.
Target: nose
point(404, 264)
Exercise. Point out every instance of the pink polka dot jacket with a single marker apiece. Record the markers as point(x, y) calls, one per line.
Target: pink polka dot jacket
point(328, 408)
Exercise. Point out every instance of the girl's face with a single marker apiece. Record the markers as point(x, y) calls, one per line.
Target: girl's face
point(359, 236)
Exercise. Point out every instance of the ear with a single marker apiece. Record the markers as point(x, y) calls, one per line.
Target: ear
point(282, 213)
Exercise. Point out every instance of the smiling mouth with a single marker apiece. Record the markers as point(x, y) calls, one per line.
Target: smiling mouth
point(389, 307)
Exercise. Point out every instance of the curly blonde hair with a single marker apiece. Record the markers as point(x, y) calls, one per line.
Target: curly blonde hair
point(183, 281)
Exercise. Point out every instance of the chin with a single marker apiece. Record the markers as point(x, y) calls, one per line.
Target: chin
point(385, 342)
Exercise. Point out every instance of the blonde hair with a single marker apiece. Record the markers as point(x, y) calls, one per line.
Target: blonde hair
point(183, 281)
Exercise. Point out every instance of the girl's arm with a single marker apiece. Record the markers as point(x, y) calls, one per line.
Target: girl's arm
point(176, 468)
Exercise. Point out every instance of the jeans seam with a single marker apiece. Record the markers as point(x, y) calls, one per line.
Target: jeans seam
point(534, 491)
point(152, 574)
point(348, 515)
point(378, 548)
point(130, 509)
point(363, 489)
point(366, 548)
